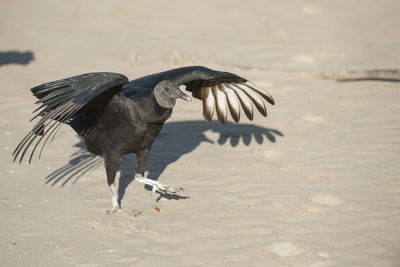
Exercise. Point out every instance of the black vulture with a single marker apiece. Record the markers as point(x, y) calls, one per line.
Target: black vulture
point(116, 117)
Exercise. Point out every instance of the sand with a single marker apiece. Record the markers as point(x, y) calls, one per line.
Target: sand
point(316, 183)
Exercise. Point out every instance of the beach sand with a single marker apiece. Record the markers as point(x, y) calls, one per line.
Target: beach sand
point(316, 183)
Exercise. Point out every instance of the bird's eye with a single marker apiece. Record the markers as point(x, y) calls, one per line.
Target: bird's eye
point(166, 89)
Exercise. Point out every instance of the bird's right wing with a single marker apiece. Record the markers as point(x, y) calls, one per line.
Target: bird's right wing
point(61, 100)
point(222, 91)
point(229, 93)
point(219, 90)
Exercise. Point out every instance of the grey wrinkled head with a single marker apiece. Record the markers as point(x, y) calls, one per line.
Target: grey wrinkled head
point(166, 93)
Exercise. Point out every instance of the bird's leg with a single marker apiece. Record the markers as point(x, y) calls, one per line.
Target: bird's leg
point(114, 199)
point(140, 160)
point(112, 162)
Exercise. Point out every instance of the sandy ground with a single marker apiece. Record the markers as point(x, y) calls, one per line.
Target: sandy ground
point(317, 183)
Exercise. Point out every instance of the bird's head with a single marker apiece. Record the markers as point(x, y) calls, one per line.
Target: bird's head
point(166, 93)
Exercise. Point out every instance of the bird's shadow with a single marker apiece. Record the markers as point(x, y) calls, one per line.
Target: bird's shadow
point(176, 139)
point(16, 57)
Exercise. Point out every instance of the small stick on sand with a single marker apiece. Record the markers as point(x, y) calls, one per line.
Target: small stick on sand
point(387, 75)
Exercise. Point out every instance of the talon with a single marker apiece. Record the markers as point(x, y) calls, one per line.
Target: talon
point(165, 189)
point(156, 186)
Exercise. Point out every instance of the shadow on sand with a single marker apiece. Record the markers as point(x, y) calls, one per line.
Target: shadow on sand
point(15, 57)
point(176, 139)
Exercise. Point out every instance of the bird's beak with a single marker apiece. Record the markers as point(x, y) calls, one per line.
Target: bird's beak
point(184, 96)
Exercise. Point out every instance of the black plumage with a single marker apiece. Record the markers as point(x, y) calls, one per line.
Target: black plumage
point(115, 117)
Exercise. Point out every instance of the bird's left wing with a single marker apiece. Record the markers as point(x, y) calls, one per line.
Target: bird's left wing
point(61, 100)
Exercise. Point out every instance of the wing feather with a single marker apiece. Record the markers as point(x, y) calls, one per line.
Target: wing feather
point(257, 100)
point(233, 101)
point(220, 104)
point(261, 91)
point(208, 103)
point(244, 100)
point(60, 101)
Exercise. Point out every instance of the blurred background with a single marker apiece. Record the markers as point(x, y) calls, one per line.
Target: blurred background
point(138, 36)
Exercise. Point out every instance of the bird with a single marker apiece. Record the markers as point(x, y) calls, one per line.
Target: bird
point(115, 116)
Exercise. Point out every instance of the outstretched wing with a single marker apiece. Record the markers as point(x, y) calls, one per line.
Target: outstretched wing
point(220, 91)
point(60, 101)
point(229, 93)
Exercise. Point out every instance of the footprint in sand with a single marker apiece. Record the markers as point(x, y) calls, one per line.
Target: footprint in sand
point(326, 199)
point(286, 249)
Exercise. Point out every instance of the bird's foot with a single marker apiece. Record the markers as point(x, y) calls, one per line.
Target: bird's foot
point(157, 186)
point(113, 210)
point(165, 189)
